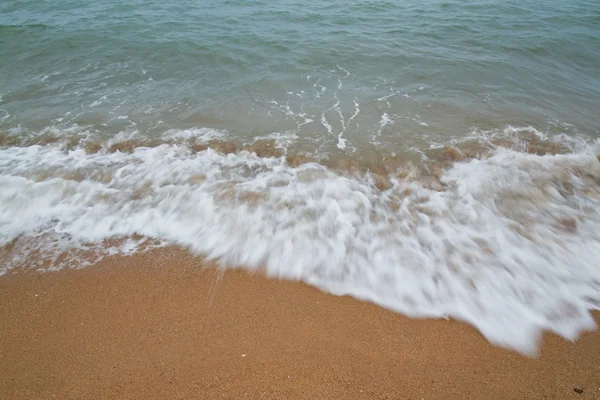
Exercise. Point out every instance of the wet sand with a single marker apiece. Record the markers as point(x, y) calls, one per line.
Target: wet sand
point(163, 325)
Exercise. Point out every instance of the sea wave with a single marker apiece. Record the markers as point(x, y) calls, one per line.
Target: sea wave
point(506, 239)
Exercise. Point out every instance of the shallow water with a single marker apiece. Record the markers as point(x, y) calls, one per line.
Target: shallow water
point(438, 158)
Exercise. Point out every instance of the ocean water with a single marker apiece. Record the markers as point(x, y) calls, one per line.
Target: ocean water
point(438, 158)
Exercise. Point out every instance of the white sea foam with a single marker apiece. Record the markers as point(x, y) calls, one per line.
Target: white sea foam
point(510, 245)
point(299, 117)
point(198, 134)
point(384, 121)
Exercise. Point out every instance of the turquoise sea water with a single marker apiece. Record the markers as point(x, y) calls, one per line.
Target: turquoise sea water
point(260, 67)
point(439, 158)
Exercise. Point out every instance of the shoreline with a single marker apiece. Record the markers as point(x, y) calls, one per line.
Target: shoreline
point(163, 324)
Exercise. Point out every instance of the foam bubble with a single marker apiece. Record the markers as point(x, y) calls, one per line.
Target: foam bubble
point(509, 245)
point(197, 134)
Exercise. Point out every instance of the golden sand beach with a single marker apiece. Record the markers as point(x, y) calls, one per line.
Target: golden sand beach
point(164, 325)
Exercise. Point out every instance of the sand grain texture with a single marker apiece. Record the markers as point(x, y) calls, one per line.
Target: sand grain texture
point(162, 326)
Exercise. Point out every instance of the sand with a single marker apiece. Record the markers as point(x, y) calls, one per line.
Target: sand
point(163, 325)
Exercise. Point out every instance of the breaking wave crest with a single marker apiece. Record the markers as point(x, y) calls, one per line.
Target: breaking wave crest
point(498, 236)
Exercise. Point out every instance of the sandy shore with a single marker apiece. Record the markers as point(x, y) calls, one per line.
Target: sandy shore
point(160, 326)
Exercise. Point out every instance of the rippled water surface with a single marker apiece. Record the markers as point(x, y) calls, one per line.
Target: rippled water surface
point(436, 68)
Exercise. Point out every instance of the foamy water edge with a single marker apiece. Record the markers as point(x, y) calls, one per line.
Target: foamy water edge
point(509, 245)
